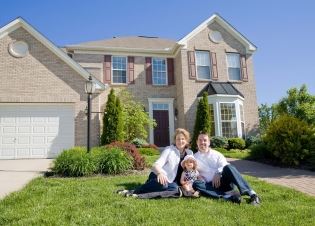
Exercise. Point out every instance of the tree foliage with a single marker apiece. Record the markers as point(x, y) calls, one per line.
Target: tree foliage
point(266, 116)
point(298, 103)
point(202, 122)
point(112, 120)
point(136, 120)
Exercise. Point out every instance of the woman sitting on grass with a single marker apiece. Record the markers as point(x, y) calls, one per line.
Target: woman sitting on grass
point(165, 175)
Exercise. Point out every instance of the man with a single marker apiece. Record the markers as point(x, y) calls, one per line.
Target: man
point(219, 176)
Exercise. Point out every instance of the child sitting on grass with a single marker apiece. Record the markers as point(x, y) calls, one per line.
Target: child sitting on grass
point(189, 175)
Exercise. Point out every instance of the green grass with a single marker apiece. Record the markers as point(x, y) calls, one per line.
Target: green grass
point(238, 154)
point(93, 201)
point(150, 159)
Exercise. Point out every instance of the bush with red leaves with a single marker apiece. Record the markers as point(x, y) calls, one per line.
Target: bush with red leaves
point(151, 146)
point(138, 160)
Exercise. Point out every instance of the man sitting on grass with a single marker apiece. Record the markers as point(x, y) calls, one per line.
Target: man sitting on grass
point(219, 176)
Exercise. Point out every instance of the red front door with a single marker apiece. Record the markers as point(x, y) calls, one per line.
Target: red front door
point(161, 131)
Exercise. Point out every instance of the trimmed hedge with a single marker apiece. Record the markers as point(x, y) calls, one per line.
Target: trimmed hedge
point(236, 143)
point(112, 160)
point(218, 142)
point(74, 162)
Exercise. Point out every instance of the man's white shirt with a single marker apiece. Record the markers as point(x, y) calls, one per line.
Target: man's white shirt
point(209, 163)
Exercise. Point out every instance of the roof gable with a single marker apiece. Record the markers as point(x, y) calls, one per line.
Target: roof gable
point(19, 22)
point(250, 47)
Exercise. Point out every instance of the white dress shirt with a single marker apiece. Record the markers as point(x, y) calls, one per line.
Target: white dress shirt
point(209, 163)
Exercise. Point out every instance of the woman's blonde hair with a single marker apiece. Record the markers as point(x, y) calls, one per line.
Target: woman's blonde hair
point(184, 132)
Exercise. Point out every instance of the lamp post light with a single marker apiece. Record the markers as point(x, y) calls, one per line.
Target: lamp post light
point(89, 89)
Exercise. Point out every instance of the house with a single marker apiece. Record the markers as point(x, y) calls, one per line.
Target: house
point(42, 97)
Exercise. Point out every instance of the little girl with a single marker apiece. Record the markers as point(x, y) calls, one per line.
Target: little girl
point(189, 175)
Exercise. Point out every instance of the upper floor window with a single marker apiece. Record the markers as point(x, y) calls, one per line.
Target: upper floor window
point(159, 75)
point(233, 64)
point(119, 69)
point(203, 65)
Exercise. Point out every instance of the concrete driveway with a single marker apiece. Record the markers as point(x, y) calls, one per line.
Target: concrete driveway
point(15, 174)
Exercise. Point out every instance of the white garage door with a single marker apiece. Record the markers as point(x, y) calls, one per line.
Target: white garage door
point(35, 131)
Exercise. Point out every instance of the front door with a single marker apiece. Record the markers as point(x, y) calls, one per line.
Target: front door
point(161, 131)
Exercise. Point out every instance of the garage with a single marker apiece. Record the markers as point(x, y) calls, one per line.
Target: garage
point(35, 131)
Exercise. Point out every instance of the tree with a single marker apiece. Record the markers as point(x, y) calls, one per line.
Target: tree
point(112, 120)
point(202, 122)
point(298, 103)
point(266, 116)
point(136, 120)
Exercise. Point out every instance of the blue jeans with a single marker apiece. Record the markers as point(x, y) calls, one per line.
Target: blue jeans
point(152, 185)
point(230, 178)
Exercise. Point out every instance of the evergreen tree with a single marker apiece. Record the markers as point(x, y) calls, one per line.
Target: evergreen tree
point(202, 122)
point(120, 122)
point(112, 120)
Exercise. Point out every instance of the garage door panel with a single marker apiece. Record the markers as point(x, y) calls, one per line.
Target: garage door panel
point(35, 131)
point(23, 140)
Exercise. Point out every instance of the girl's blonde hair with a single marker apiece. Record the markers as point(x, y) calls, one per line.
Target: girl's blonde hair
point(184, 132)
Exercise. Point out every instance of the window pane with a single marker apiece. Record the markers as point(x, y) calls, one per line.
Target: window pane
point(233, 61)
point(119, 69)
point(228, 119)
point(203, 64)
point(159, 71)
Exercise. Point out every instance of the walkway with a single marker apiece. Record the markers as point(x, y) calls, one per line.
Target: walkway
point(301, 180)
point(15, 174)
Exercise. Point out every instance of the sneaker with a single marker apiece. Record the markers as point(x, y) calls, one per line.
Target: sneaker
point(254, 200)
point(129, 194)
point(235, 199)
point(122, 191)
point(180, 191)
point(196, 194)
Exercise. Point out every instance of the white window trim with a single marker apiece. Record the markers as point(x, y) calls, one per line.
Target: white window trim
point(216, 100)
point(112, 69)
point(170, 103)
point(166, 71)
point(210, 66)
point(227, 67)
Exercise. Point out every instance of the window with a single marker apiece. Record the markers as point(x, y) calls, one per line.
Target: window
point(233, 63)
point(159, 76)
point(119, 68)
point(203, 65)
point(228, 120)
point(211, 111)
point(160, 106)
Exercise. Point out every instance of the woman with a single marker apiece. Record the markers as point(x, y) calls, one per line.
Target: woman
point(165, 175)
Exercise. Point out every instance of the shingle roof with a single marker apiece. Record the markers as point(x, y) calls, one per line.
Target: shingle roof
point(132, 42)
point(224, 88)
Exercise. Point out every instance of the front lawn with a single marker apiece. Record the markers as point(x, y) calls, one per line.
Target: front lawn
point(93, 201)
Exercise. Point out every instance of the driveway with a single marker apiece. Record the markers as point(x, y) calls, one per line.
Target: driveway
point(15, 174)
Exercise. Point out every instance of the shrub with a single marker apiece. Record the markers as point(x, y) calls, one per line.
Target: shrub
point(259, 152)
point(151, 146)
point(138, 160)
point(149, 151)
point(290, 140)
point(236, 143)
point(112, 120)
point(202, 121)
point(252, 140)
point(218, 142)
point(138, 142)
point(222, 150)
point(112, 160)
point(74, 162)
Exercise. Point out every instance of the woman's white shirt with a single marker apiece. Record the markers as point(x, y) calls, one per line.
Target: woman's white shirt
point(168, 162)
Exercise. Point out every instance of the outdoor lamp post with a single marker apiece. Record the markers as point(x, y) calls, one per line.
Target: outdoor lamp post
point(89, 89)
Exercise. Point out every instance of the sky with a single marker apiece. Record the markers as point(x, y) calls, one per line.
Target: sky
point(282, 30)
